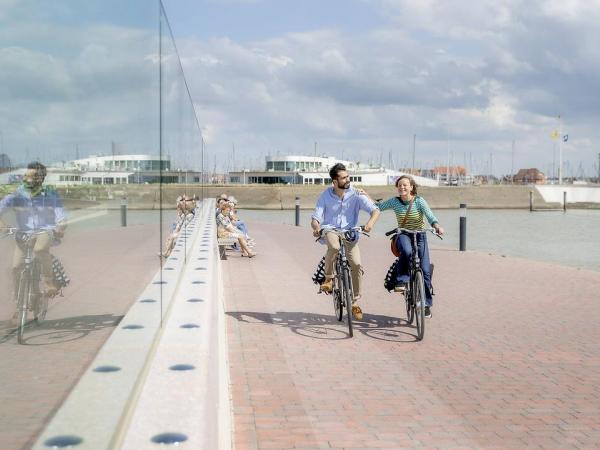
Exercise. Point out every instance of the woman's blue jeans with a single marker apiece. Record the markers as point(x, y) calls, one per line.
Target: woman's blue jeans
point(403, 242)
point(242, 227)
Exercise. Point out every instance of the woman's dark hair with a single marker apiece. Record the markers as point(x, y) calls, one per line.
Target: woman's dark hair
point(335, 169)
point(413, 183)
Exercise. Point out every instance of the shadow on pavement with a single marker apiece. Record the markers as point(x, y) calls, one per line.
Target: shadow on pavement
point(319, 326)
point(56, 331)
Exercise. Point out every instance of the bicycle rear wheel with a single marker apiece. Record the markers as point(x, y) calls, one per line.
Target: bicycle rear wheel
point(22, 298)
point(40, 307)
point(418, 292)
point(338, 299)
point(37, 299)
point(337, 304)
point(410, 306)
point(347, 293)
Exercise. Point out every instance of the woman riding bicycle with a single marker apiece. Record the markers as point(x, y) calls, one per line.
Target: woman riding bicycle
point(411, 210)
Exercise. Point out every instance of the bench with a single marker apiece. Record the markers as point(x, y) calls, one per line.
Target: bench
point(223, 244)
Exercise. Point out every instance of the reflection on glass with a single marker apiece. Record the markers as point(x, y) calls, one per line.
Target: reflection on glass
point(95, 120)
point(180, 141)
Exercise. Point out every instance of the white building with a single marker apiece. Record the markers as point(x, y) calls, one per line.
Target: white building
point(315, 170)
point(117, 169)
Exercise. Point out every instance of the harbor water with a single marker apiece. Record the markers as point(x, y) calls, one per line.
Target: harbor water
point(569, 238)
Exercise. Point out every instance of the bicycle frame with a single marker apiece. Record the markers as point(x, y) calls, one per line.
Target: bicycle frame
point(416, 287)
point(343, 276)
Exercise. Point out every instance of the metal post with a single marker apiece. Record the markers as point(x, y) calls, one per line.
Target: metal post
point(124, 211)
point(463, 227)
point(530, 201)
point(565, 201)
point(297, 211)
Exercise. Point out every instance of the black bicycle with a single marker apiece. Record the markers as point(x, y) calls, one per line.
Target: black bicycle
point(414, 294)
point(343, 292)
point(28, 296)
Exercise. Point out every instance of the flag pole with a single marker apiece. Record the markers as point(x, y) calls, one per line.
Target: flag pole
point(559, 152)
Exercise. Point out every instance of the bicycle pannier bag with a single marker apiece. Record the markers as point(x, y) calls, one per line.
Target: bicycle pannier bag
point(319, 275)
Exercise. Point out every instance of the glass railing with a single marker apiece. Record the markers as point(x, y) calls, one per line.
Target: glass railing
point(98, 140)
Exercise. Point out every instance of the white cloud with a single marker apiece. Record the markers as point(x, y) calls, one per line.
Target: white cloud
point(479, 74)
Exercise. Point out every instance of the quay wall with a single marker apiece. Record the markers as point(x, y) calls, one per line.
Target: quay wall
point(283, 197)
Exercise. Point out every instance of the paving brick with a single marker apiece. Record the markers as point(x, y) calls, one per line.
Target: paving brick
point(487, 375)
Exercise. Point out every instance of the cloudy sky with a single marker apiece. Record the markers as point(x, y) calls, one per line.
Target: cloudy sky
point(362, 77)
point(356, 79)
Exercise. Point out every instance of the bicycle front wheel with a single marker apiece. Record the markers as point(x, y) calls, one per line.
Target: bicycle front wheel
point(347, 290)
point(418, 292)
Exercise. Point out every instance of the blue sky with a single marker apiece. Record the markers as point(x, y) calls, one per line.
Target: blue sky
point(252, 20)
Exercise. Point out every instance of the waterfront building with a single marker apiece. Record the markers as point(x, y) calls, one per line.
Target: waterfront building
point(530, 176)
point(114, 169)
point(315, 170)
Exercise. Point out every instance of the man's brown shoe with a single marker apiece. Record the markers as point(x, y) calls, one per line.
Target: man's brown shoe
point(357, 312)
point(327, 285)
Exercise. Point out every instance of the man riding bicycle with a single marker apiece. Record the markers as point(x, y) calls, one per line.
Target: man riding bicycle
point(338, 207)
point(37, 209)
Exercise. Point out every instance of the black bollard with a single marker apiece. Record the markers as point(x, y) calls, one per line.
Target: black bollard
point(530, 201)
point(463, 227)
point(297, 211)
point(564, 201)
point(124, 211)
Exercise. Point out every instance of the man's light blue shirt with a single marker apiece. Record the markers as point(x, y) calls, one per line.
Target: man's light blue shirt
point(41, 212)
point(333, 211)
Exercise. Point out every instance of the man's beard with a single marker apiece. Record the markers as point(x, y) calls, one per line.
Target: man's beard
point(31, 185)
point(346, 186)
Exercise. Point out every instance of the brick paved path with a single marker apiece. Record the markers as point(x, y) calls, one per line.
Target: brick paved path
point(108, 268)
point(511, 357)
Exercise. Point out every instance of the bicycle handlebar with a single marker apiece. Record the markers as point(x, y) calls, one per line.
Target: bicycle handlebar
point(406, 230)
point(12, 231)
point(342, 231)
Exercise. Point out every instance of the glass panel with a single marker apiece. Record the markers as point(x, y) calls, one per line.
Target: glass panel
point(181, 149)
point(98, 137)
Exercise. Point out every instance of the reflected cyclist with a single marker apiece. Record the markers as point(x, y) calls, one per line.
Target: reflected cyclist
point(37, 208)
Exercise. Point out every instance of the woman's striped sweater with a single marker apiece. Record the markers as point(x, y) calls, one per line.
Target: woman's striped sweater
point(419, 211)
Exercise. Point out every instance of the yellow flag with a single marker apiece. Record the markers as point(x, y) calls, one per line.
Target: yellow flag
point(555, 134)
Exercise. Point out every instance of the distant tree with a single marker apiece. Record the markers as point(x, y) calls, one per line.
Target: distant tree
point(5, 163)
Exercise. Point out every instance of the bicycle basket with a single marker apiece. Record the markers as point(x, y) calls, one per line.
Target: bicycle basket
point(390, 277)
point(319, 275)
